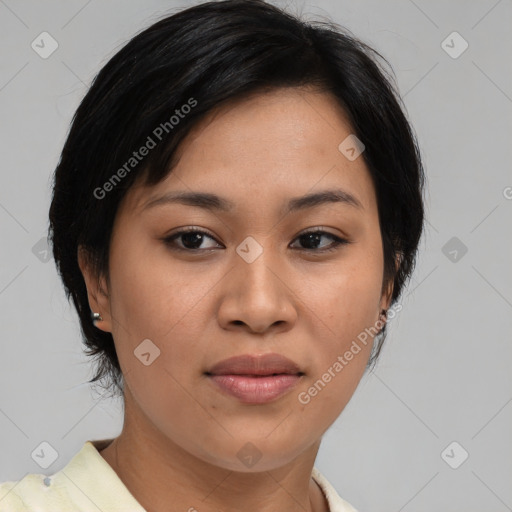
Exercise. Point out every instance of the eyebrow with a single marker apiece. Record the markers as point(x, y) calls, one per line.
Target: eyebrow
point(214, 202)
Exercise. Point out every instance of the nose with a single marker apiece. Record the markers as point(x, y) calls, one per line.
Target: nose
point(258, 296)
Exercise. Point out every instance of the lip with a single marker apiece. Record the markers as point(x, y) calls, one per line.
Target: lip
point(255, 390)
point(255, 379)
point(247, 364)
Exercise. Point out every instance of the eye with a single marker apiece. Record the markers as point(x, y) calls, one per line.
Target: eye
point(191, 240)
point(313, 236)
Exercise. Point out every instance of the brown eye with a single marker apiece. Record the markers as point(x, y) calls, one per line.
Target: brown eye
point(312, 239)
point(190, 240)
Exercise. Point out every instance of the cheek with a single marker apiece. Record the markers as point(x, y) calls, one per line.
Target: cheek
point(344, 313)
point(149, 294)
point(156, 299)
point(346, 300)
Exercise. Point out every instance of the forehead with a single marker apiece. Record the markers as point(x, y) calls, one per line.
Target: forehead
point(266, 148)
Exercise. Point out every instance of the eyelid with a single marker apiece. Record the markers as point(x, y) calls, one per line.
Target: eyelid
point(325, 230)
point(316, 229)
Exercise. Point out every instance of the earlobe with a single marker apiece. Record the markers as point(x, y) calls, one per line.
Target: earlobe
point(388, 293)
point(386, 298)
point(98, 298)
point(96, 317)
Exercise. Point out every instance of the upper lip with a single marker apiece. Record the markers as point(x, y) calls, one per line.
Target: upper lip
point(266, 364)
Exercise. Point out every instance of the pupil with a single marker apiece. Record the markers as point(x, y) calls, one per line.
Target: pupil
point(191, 239)
point(312, 237)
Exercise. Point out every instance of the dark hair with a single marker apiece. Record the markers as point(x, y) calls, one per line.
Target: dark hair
point(200, 58)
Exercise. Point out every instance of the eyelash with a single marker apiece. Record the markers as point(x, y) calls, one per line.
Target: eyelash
point(337, 241)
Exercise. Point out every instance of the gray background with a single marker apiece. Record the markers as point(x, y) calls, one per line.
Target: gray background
point(445, 373)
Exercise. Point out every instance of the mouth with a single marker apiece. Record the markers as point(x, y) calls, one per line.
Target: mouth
point(255, 389)
point(255, 379)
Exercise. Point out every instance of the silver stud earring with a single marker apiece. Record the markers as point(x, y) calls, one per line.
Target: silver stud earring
point(96, 317)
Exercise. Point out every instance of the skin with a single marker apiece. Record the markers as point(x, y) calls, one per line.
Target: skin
point(200, 309)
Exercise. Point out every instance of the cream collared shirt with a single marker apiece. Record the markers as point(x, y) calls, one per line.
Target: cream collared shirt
point(89, 484)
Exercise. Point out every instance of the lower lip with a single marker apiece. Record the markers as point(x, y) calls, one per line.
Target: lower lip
point(256, 390)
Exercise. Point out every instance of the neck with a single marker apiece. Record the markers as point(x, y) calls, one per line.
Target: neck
point(158, 472)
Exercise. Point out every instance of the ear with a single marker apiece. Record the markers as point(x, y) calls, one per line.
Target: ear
point(386, 296)
point(97, 291)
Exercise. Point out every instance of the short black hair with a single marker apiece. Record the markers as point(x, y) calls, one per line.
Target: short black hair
point(168, 77)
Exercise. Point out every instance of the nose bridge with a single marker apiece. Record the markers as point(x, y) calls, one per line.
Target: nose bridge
point(258, 262)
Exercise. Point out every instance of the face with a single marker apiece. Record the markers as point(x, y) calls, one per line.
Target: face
point(257, 278)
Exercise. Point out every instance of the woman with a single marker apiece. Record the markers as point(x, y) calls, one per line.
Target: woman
point(238, 205)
